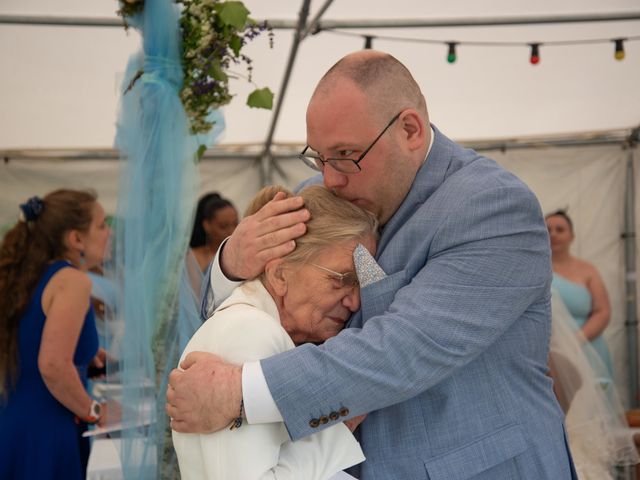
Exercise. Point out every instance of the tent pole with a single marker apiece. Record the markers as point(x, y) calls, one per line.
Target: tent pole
point(631, 323)
point(267, 155)
point(284, 151)
point(313, 26)
point(285, 24)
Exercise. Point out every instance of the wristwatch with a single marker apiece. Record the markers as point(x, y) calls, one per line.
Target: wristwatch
point(94, 413)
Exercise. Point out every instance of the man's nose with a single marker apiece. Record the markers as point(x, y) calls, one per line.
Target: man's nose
point(333, 178)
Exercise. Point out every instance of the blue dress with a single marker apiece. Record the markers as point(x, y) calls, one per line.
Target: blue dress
point(577, 299)
point(39, 438)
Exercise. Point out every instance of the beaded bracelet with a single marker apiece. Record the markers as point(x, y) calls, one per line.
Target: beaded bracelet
point(237, 422)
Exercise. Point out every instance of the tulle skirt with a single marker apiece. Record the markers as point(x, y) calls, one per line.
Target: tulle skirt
point(599, 436)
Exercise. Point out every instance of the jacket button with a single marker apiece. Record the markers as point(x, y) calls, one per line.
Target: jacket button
point(313, 423)
point(324, 420)
point(344, 411)
point(334, 416)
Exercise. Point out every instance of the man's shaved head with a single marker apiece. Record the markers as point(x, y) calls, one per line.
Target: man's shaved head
point(387, 84)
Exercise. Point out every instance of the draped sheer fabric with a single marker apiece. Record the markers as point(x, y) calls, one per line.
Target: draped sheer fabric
point(154, 299)
point(599, 436)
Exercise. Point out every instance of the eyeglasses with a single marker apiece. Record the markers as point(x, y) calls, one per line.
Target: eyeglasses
point(348, 279)
point(345, 165)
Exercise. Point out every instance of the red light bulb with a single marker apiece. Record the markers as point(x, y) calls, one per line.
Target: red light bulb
point(534, 59)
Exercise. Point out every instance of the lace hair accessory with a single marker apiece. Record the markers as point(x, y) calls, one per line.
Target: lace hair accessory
point(32, 209)
point(367, 268)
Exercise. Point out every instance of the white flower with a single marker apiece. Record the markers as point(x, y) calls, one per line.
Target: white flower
point(205, 41)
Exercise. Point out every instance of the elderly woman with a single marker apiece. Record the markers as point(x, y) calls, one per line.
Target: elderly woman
point(307, 296)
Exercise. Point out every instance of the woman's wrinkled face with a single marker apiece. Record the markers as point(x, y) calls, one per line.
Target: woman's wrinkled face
point(222, 225)
point(560, 233)
point(321, 295)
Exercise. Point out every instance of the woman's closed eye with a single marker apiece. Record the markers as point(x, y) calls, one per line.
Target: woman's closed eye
point(336, 282)
point(337, 279)
point(345, 280)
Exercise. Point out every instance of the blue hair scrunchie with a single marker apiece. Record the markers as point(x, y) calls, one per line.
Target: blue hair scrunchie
point(32, 208)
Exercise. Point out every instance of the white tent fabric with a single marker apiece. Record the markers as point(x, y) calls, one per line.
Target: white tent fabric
point(60, 86)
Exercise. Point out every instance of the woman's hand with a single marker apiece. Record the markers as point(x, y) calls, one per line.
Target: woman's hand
point(104, 413)
point(97, 366)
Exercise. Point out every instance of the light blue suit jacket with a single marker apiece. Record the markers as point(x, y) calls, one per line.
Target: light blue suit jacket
point(449, 351)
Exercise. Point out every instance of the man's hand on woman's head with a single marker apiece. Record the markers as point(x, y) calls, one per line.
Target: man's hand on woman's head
point(205, 395)
point(270, 233)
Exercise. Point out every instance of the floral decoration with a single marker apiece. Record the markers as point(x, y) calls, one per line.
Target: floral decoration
point(129, 8)
point(213, 35)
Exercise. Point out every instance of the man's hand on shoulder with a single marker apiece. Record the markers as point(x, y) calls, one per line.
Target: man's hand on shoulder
point(204, 395)
point(269, 233)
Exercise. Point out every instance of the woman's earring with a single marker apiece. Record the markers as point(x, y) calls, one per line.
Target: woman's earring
point(82, 260)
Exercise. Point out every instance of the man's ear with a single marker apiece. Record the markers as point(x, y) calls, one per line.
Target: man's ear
point(276, 276)
point(414, 129)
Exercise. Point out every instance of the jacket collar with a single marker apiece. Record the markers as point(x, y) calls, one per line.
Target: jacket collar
point(430, 176)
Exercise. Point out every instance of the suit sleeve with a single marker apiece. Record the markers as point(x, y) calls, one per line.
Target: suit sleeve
point(251, 452)
point(487, 262)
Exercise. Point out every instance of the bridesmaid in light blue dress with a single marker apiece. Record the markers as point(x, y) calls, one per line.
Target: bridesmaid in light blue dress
point(577, 299)
point(580, 286)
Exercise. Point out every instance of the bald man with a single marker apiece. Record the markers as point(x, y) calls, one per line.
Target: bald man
point(448, 354)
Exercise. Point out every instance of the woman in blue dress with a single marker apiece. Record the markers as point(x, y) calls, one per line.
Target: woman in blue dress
point(580, 286)
point(48, 336)
point(598, 435)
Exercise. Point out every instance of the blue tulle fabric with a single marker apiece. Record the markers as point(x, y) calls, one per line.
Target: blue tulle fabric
point(154, 297)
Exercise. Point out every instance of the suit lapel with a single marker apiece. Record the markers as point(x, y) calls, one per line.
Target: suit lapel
point(432, 173)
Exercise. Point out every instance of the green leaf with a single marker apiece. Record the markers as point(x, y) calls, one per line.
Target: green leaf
point(261, 98)
point(200, 152)
point(217, 72)
point(235, 44)
point(233, 13)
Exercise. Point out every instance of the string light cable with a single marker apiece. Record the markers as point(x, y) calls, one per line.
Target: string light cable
point(535, 47)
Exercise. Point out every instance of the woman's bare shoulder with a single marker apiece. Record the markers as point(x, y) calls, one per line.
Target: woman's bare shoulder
point(586, 270)
point(69, 277)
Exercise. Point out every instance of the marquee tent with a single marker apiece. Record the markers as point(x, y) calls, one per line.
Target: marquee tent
point(567, 126)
